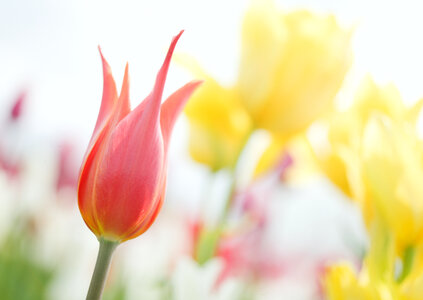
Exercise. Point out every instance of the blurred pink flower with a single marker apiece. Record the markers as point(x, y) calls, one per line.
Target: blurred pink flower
point(247, 255)
point(67, 173)
point(254, 200)
point(16, 111)
point(10, 162)
point(11, 167)
point(247, 252)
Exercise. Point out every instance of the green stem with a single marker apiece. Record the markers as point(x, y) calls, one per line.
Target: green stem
point(407, 262)
point(228, 201)
point(208, 241)
point(232, 188)
point(101, 269)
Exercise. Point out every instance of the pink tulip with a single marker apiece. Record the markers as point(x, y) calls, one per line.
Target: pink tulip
point(123, 176)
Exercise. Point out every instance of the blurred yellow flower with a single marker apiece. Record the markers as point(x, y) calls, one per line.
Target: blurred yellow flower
point(381, 158)
point(376, 279)
point(292, 66)
point(372, 98)
point(412, 285)
point(219, 125)
point(341, 158)
point(344, 131)
point(383, 275)
point(393, 172)
point(341, 284)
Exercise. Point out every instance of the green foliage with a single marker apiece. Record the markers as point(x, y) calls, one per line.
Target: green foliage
point(21, 276)
point(115, 292)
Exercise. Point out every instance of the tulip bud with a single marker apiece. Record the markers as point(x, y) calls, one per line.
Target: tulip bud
point(122, 179)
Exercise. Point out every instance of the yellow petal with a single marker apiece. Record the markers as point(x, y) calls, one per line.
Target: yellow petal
point(219, 125)
point(271, 156)
point(393, 171)
point(341, 283)
point(383, 99)
point(292, 66)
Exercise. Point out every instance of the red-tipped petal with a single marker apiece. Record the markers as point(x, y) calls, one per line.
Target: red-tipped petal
point(173, 106)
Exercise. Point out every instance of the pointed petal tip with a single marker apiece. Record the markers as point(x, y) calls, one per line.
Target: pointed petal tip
point(161, 76)
point(193, 85)
point(125, 82)
point(101, 53)
point(126, 70)
point(180, 33)
point(197, 82)
point(173, 43)
point(106, 66)
point(172, 107)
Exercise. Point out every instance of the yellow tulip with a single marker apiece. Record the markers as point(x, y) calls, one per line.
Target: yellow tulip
point(340, 159)
point(393, 170)
point(341, 283)
point(219, 125)
point(382, 160)
point(292, 66)
point(372, 98)
point(376, 279)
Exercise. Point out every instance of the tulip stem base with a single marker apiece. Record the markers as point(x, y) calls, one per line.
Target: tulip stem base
point(101, 269)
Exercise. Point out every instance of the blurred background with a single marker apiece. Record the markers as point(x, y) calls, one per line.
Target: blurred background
point(297, 222)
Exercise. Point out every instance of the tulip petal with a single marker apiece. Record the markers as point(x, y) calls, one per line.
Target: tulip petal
point(110, 105)
point(148, 220)
point(122, 107)
point(173, 106)
point(152, 104)
point(133, 168)
point(99, 140)
point(122, 168)
point(85, 192)
point(123, 177)
point(109, 94)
